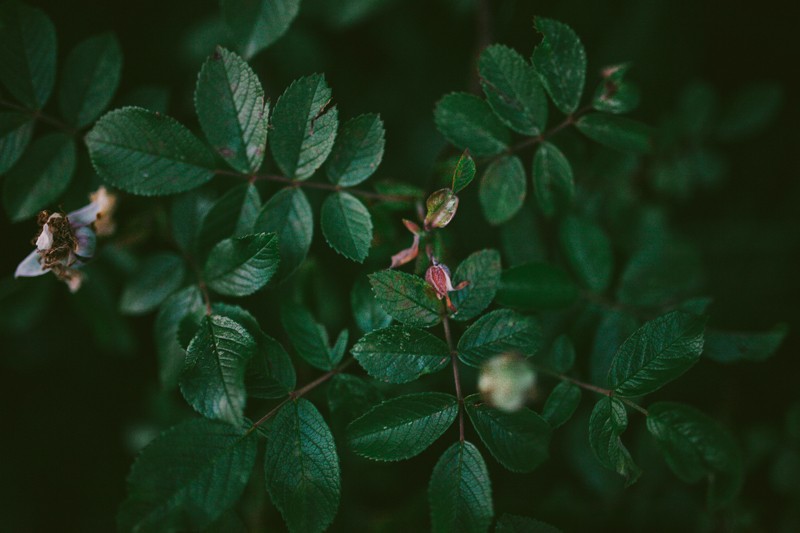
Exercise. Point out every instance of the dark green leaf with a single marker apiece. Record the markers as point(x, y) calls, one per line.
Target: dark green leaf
point(499, 332)
point(615, 94)
point(90, 79)
point(614, 327)
point(509, 523)
point(560, 61)
point(482, 269)
point(464, 172)
point(536, 286)
point(513, 90)
point(186, 303)
point(304, 128)
point(616, 132)
point(402, 427)
point(241, 265)
point(467, 122)
point(399, 354)
point(658, 352)
point(213, 376)
point(187, 477)
point(750, 111)
point(367, 312)
point(607, 423)
point(233, 114)
point(347, 225)
point(256, 24)
point(502, 189)
point(561, 404)
point(148, 153)
point(553, 182)
point(288, 215)
point(15, 134)
point(40, 177)
point(357, 152)
point(157, 277)
point(302, 468)
point(729, 347)
point(27, 53)
point(406, 298)
point(562, 355)
point(519, 440)
point(412, 194)
point(309, 338)
point(460, 494)
point(233, 215)
point(351, 396)
point(186, 216)
point(588, 252)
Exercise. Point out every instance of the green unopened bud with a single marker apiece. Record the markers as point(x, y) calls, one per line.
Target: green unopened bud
point(442, 206)
point(506, 382)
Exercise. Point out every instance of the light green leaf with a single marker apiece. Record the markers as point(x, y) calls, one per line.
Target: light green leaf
point(408, 299)
point(309, 337)
point(240, 266)
point(460, 494)
point(588, 252)
point(288, 214)
point(15, 134)
point(233, 114)
point(519, 440)
point(560, 61)
point(357, 152)
point(233, 215)
point(256, 24)
point(40, 177)
point(90, 79)
point(482, 269)
point(467, 122)
point(561, 404)
point(399, 354)
point(730, 347)
point(502, 189)
point(553, 182)
point(184, 304)
point(464, 172)
point(27, 53)
point(536, 286)
point(513, 90)
point(616, 132)
point(148, 153)
point(301, 468)
point(367, 312)
point(509, 523)
point(158, 276)
point(213, 376)
point(658, 352)
point(304, 128)
point(402, 427)
point(607, 422)
point(347, 225)
point(187, 477)
point(499, 332)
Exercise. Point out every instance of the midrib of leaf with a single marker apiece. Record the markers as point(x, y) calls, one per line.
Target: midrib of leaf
point(243, 263)
point(340, 207)
point(392, 428)
point(141, 151)
point(218, 364)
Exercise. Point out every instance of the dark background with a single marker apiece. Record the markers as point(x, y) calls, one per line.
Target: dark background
point(79, 394)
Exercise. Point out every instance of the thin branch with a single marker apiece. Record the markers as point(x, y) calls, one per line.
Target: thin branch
point(42, 117)
point(571, 119)
point(456, 377)
point(595, 388)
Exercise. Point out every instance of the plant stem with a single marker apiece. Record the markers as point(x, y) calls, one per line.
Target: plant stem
point(456, 377)
point(38, 115)
point(595, 388)
point(571, 119)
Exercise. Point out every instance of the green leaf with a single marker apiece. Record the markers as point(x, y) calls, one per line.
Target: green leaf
point(509, 523)
point(730, 347)
point(614, 327)
point(40, 177)
point(347, 225)
point(301, 468)
point(408, 299)
point(288, 215)
point(357, 152)
point(233, 114)
point(607, 422)
point(464, 172)
point(467, 122)
point(519, 440)
point(158, 276)
point(213, 376)
point(187, 477)
point(561, 404)
point(233, 215)
point(553, 182)
point(309, 337)
point(482, 269)
point(16, 130)
point(460, 494)
point(27, 53)
point(496, 333)
point(256, 24)
point(90, 79)
point(186, 216)
point(588, 252)
point(616, 132)
point(536, 286)
point(240, 266)
point(399, 354)
point(560, 61)
point(561, 356)
point(502, 189)
point(695, 447)
point(750, 111)
point(614, 94)
point(148, 153)
point(513, 90)
point(184, 304)
point(304, 128)
point(367, 312)
point(658, 352)
point(351, 396)
point(402, 427)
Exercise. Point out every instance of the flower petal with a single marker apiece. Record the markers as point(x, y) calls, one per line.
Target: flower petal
point(30, 266)
point(84, 216)
point(87, 241)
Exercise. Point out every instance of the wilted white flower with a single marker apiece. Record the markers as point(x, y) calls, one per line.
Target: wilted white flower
point(506, 382)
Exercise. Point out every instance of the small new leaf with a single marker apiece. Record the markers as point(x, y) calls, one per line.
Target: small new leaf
point(464, 172)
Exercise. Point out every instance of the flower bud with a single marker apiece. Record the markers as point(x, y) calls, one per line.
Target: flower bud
point(506, 382)
point(442, 206)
